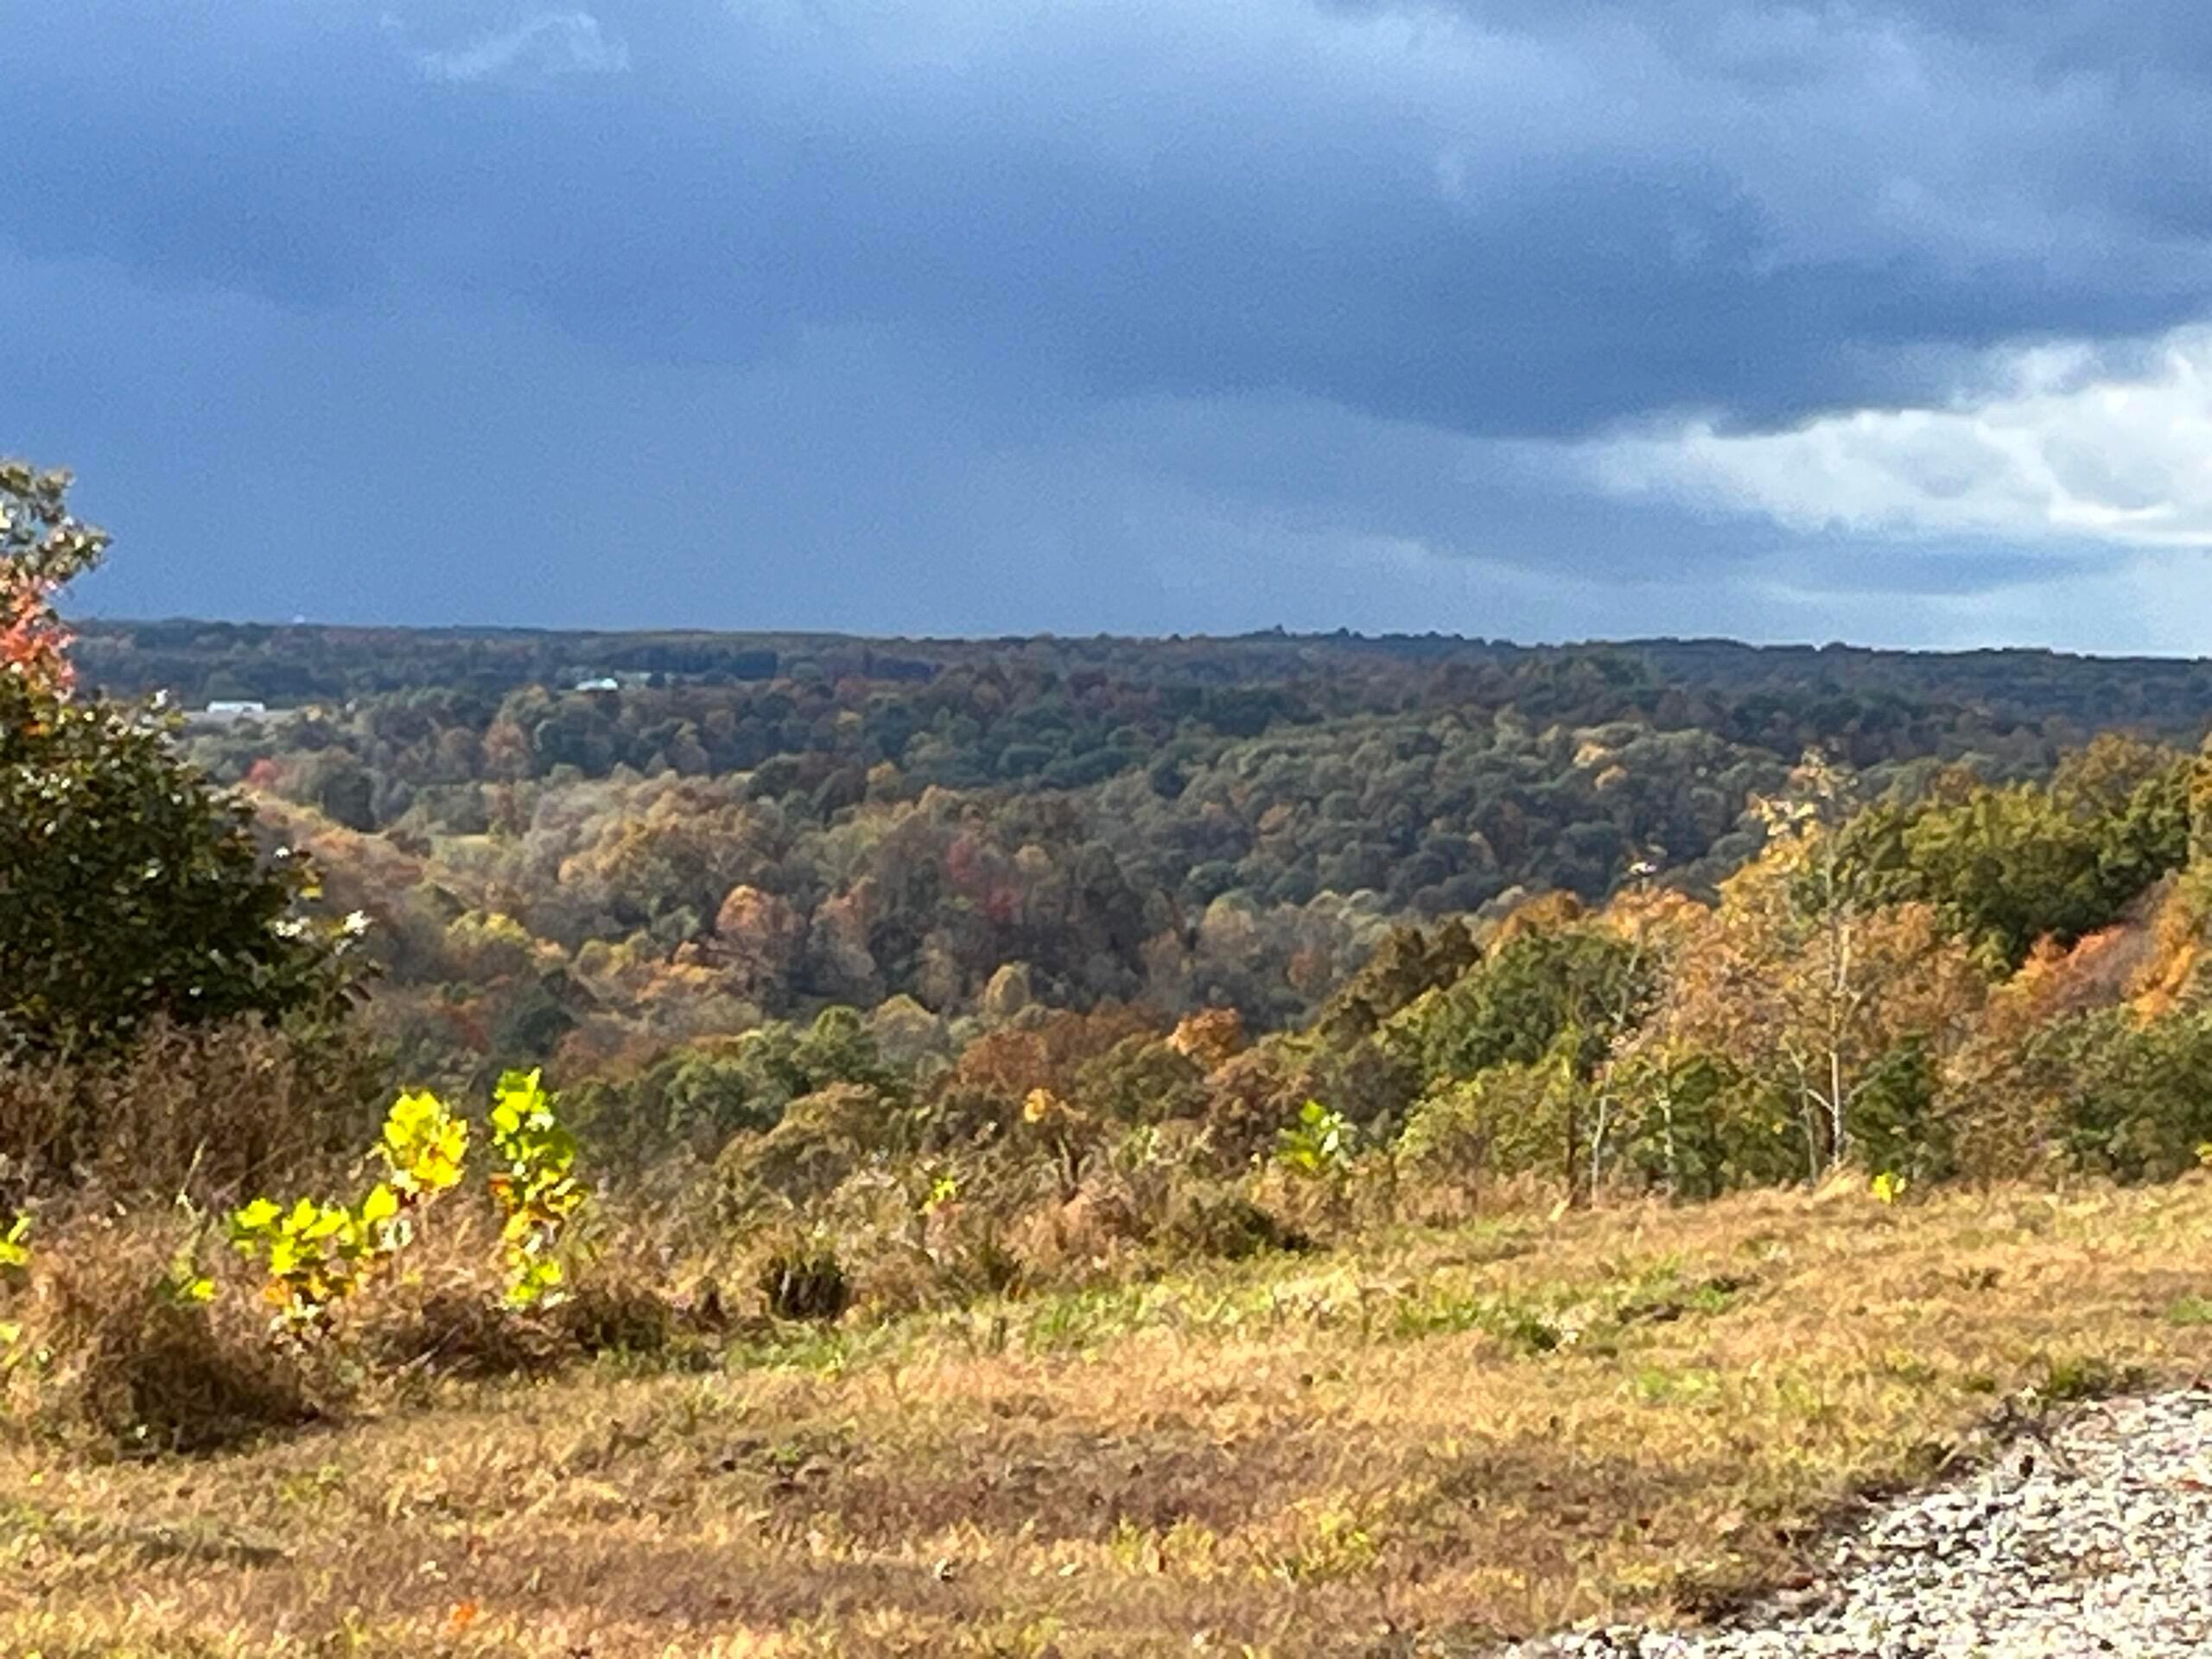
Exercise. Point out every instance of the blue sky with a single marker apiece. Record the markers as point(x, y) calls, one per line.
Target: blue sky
point(1551, 319)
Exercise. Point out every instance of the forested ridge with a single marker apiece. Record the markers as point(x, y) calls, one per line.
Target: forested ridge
point(289, 664)
point(1654, 898)
point(730, 828)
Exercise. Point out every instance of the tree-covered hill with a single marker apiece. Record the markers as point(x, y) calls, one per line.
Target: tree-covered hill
point(1668, 679)
point(609, 844)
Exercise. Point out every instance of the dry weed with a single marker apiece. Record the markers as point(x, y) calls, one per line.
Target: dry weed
point(1439, 1439)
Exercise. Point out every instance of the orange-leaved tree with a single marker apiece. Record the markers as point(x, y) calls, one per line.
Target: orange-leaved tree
point(42, 546)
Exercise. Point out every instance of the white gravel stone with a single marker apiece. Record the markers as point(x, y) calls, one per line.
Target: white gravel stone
point(2096, 1541)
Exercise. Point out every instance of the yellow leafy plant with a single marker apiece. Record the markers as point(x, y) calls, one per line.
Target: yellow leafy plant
point(14, 1267)
point(16, 1247)
point(318, 1254)
point(1320, 1143)
point(536, 1188)
point(425, 1147)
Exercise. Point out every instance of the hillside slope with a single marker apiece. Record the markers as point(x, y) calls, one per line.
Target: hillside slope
point(1442, 1440)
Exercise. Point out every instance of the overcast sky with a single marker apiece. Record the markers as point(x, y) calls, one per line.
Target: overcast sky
point(1551, 319)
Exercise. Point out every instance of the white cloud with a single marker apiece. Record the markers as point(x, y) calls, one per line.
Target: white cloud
point(2059, 451)
point(551, 43)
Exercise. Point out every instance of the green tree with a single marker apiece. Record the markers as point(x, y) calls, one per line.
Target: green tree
point(2010, 865)
point(130, 885)
point(1514, 1007)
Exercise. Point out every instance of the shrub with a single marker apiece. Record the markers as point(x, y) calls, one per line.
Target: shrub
point(164, 1376)
point(2130, 1099)
point(536, 1189)
point(1204, 1219)
point(1320, 1145)
point(822, 1138)
point(621, 1313)
point(1250, 1098)
point(1078, 1241)
point(134, 888)
point(1450, 1136)
point(972, 1256)
point(445, 1314)
point(318, 1253)
point(805, 1281)
point(133, 1352)
point(1508, 1120)
point(456, 1328)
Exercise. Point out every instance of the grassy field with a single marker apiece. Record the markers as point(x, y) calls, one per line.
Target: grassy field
point(1440, 1439)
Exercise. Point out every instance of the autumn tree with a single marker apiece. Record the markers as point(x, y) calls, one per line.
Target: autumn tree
point(2004, 1096)
point(2011, 864)
point(130, 887)
point(1817, 989)
point(42, 548)
point(1660, 1092)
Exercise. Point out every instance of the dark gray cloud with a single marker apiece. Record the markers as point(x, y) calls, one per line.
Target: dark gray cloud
point(929, 298)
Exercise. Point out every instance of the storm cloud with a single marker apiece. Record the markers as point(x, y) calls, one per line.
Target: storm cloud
point(1559, 319)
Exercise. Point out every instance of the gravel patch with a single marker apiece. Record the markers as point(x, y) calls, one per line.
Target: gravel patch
point(2097, 1539)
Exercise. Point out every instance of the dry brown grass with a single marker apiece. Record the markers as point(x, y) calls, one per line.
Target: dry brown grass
point(106, 1364)
point(1439, 1440)
point(223, 1110)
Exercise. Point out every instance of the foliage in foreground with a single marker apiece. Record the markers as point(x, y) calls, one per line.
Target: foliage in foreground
point(320, 1253)
point(133, 886)
point(536, 1188)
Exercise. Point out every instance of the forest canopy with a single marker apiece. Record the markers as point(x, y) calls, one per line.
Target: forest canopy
point(1674, 914)
point(594, 847)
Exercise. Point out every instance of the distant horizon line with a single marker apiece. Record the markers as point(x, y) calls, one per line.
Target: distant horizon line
point(85, 624)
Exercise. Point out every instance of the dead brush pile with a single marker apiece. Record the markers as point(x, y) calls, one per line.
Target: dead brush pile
point(147, 1329)
point(133, 1335)
point(116, 1345)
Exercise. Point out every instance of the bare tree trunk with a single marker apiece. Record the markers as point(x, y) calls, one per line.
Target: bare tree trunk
point(1810, 1113)
point(1598, 1143)
point(1836, 1145)
point(1573, 1147)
